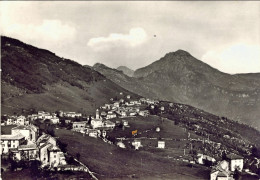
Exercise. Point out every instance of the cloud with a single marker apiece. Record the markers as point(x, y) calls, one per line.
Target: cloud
point(237, 58)
point(48, 30)
point(135, 37)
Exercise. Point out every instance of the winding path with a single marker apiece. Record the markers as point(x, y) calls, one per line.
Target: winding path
point(90, 172)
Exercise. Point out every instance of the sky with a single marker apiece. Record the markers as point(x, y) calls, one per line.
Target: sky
point(223, 34)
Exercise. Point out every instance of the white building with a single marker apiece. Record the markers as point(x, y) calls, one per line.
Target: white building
point(93, 133)
point(125, 123)
point(26, 152)
point(20, 120)
point(55, 120)
point(116, 104)
point(78, 126)
point(111, 115)
point(96, 123)
point(236, 162)
point(121, 145)
point(10, 121)
point(161, 144)
point(137, 144)
point(50, 153)
point(30, 132)
point(11, 141)
point(144, 113)
point(201, 158)
point(221, 171)
point(109, 124)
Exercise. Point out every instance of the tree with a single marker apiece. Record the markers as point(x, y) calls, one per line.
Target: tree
point(69, 127)
point(224, 155)
point(13, 165)
point(49, 129)
point(62, 123)
point(89, 120)
point(236, 175)
point(71, 160)
point(34, 167)
point(78, 156)
point(62, 146)
point(254, 151)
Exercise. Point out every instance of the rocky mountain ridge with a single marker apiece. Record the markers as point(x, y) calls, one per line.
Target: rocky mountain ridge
point(180, 77)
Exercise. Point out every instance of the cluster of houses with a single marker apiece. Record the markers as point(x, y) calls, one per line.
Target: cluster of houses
point(224, 170)
point(24, 144)
point(124, 108)
point(22, 120)
point(69, 114)
point(97, 124)
point(95, 128)
point(16, 120)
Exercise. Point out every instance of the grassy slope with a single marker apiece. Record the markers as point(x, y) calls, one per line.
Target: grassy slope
point(108, 161)
point(64, 97)
point(37, 79)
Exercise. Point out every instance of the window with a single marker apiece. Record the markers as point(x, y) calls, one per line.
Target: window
point(14, 146)
point(54, 156)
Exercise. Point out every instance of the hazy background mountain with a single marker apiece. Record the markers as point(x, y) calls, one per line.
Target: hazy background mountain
point(180, 77)
point(37, 79)
point(127, 71)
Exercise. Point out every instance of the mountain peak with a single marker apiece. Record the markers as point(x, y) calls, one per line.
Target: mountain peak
point(182, 53)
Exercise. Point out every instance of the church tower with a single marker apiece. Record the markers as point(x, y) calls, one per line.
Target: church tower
point(97, 114)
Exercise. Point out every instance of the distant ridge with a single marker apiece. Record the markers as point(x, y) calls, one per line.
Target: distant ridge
point(127, 71)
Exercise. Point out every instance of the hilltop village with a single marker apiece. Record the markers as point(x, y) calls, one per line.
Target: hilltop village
point(134, 124)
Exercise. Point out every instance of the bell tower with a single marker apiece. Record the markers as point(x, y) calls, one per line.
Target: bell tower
point(97, 114)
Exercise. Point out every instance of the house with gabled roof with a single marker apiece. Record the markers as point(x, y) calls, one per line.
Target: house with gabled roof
point(137, 144)
point(20, 120)
point(79, 126)
point(108, 124)
point(50, 153)
point(26, 152)
point(30, 132)
point(235, 162)
point(94, 133)
point(9, 121)
point(96, 123)
point(111, 115)
point(11, 141)
point(221, 171)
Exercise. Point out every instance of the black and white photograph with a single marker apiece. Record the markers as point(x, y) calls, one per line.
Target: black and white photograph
point(124, 90)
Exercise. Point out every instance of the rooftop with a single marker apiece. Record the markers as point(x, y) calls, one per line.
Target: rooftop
point(234, 156)
point(27, 147)
point(21, 127)
point(12, 137)
point(53, 148)
point(81, 122)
